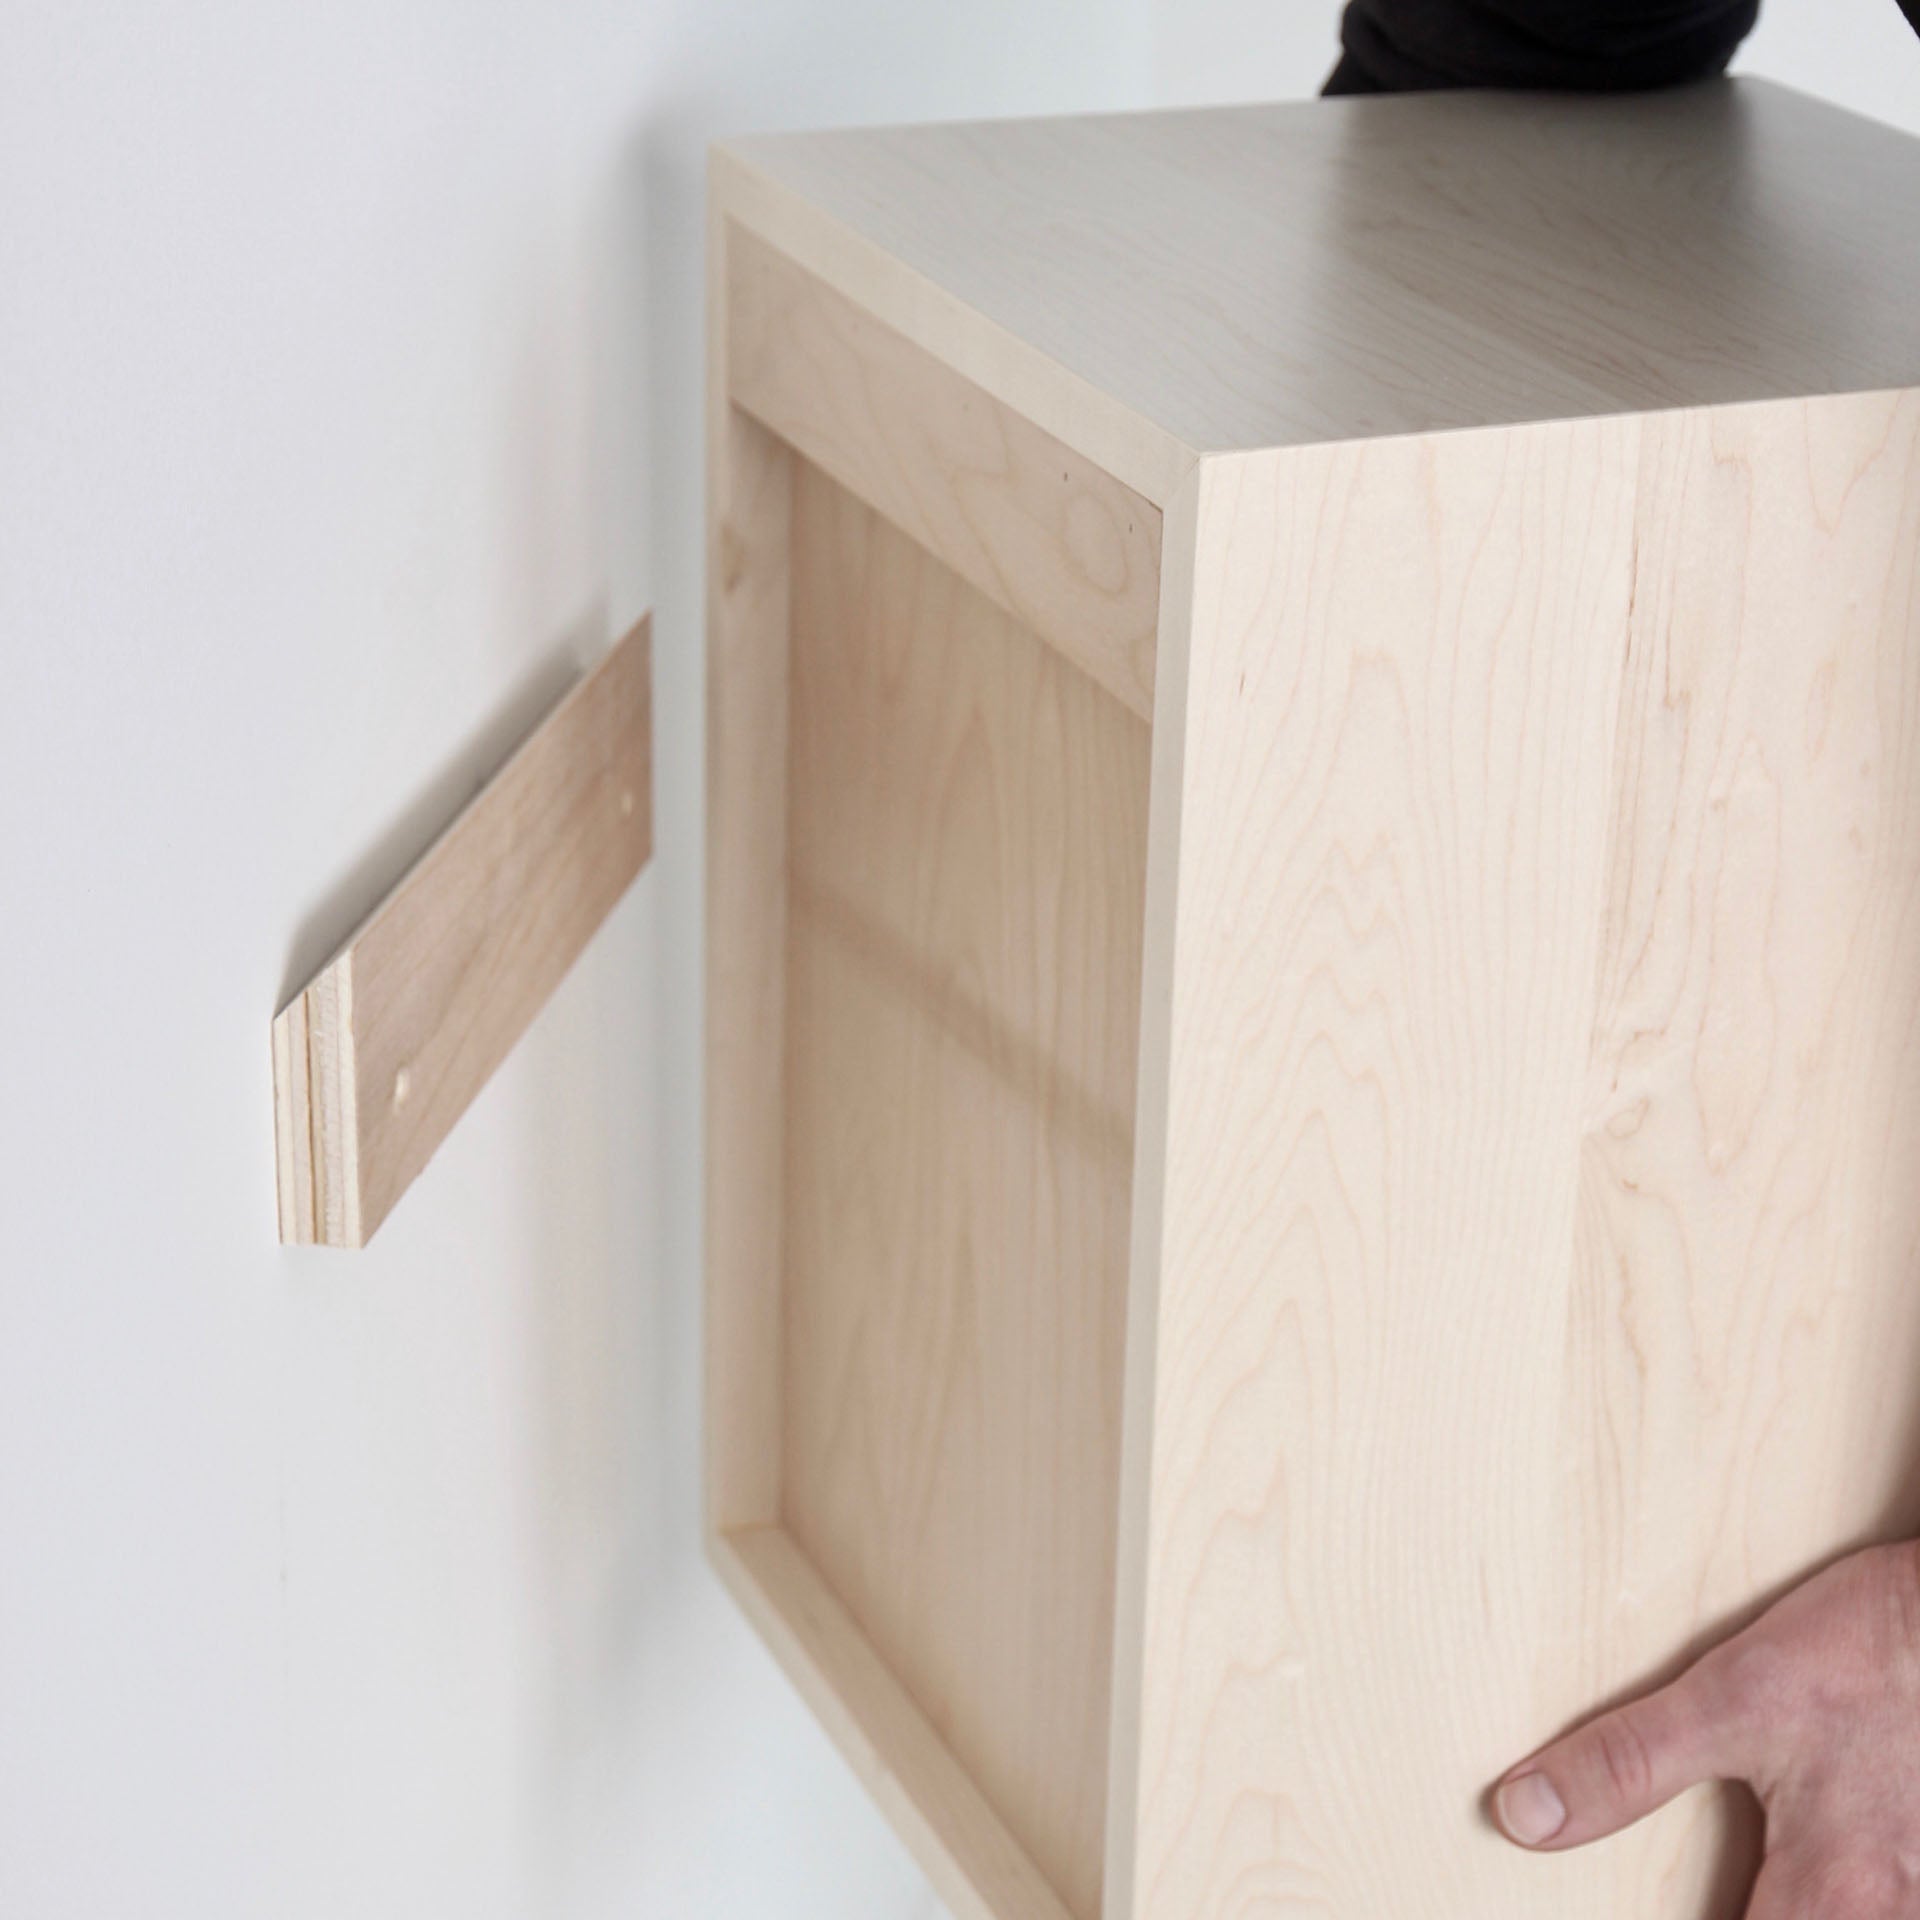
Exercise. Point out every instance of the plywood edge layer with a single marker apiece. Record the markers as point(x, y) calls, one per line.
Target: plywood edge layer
point(379, 1054)
point(292, 1126)
point(1042, 531)
point(1136, 451)
point(316, 1110)
point(749, 532)
point(1151, 1082)
point(975, 1864)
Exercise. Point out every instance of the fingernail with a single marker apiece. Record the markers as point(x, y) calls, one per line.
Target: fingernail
point(1529, 1809)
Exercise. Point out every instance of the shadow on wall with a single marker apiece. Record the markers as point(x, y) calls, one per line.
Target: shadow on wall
point(613, 1263)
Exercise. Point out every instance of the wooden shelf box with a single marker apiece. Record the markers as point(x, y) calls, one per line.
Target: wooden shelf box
point(1314, 962)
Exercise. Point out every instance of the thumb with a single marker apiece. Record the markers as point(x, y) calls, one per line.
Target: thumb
point(1618, 1768)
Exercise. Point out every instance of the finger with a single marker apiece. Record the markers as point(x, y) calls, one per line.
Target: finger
point(1619, 1768)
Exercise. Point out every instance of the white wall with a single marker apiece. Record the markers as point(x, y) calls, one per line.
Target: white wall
point(349, 369)
point(349, 372)
point(1861, 53)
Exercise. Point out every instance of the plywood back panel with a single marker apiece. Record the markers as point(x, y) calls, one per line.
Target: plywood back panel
point(967, 823)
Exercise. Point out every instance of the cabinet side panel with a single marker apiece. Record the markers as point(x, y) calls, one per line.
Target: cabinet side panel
point(749, 510)
point(1539, 1289)
point(1404, 673)
point(1741, 1397)
point(968, 822)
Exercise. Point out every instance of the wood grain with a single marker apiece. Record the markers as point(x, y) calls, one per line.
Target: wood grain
point(1039, 529)
point(1404, 671)
point(1264, 1261)
point(1148, 286)
point(979, 1870)
point(378, 1056)
point(1536, 1289)
point(1742, 1374)
point(967, 841)
point(1030, 383)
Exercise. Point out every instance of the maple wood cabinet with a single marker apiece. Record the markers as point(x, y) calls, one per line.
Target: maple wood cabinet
point(1314, 962)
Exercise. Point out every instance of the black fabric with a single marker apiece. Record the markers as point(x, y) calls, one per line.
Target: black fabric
point(1397, 46)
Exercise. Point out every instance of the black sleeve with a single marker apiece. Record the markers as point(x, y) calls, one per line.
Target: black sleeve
point(1395, 46)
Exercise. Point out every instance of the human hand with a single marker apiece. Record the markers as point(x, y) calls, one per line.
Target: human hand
point(1816, 1706)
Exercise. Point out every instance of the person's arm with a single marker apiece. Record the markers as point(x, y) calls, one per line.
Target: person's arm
point(1398, 46)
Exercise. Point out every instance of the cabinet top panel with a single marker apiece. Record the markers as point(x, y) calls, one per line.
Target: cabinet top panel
point(1270, 276)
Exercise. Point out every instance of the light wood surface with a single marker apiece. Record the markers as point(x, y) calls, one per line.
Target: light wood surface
point(1264, 1257)
point(749, 511)
point(378, 1056)
point(1325, 270)
point(1537, 1278)
point(1039, 529)
point(1140, 1368)
point(1030, 382)
point(967, 845)
point(979, 1870)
